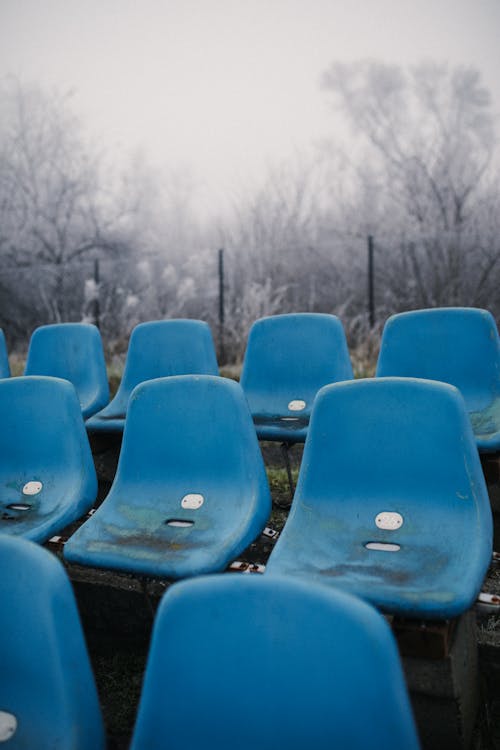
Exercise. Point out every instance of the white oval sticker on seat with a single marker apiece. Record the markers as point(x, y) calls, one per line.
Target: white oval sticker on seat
point(32, 488)
point(297, 405)
point(193, 501)
point(8, 726)
point(389, 520)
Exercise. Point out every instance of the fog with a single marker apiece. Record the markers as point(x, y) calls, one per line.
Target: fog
point(138, 139)
point(220, 89)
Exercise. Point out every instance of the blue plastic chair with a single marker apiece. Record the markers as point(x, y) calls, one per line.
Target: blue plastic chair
point(287, 360)
point(47, 475)
point(4, 358)
point(230, 654)
point(157, 349)
point(190, 491)
point(72, 351)
point(48, 698)
point(391, 503)
point(456, 345)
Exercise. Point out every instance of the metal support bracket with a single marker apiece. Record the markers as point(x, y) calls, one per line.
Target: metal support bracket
point(488, 604)
point(285, 449)
point(271, 533)
point(58, 541)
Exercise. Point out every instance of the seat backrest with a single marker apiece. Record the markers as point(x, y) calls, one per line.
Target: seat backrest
point(192, 434)
point(43, 439)
point(48, 697)
point(391, 437)
point(290, 357)
point(41, 426)
point(162, 348)
point(190, 491)
point(247, 662)
point(456, 345)
point(4, 358)
point(72, 351)
point(392, 494)
point(404, 443)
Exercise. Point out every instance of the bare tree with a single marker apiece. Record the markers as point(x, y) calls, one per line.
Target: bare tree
point(430, 131)
point(170, 271)
point(279, 257)
point(55, 208)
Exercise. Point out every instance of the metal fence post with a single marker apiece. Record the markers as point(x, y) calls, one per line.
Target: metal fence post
point(371, 289)
point(97, 307)
point(222, 353)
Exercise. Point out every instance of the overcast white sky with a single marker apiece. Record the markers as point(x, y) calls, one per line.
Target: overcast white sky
point(226, 86)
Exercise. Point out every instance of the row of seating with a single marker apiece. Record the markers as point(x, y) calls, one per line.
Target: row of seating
point(288, 359)
point(391, 502)
point(228, 655)
point(391, 505)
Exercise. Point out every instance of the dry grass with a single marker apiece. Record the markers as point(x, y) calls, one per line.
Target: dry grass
point(17, 363)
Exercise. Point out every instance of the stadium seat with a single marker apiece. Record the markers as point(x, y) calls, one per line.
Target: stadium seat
point(47, 476)
point(287, 360)
point(456, 345)
point(72, 351)
point(190, 491)
point(157, 349)
point(4, 358)
point(250, 662)
point(391, 502)
point(48, 698)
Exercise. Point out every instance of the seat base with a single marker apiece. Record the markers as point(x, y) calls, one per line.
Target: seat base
point(284, 429)
point(444, 692)
point(114, 424)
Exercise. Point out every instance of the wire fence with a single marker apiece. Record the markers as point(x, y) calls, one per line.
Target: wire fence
point(117, 293)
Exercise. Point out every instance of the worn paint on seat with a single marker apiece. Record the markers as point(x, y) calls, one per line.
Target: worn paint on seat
point(391, 502)
point(186, 438)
